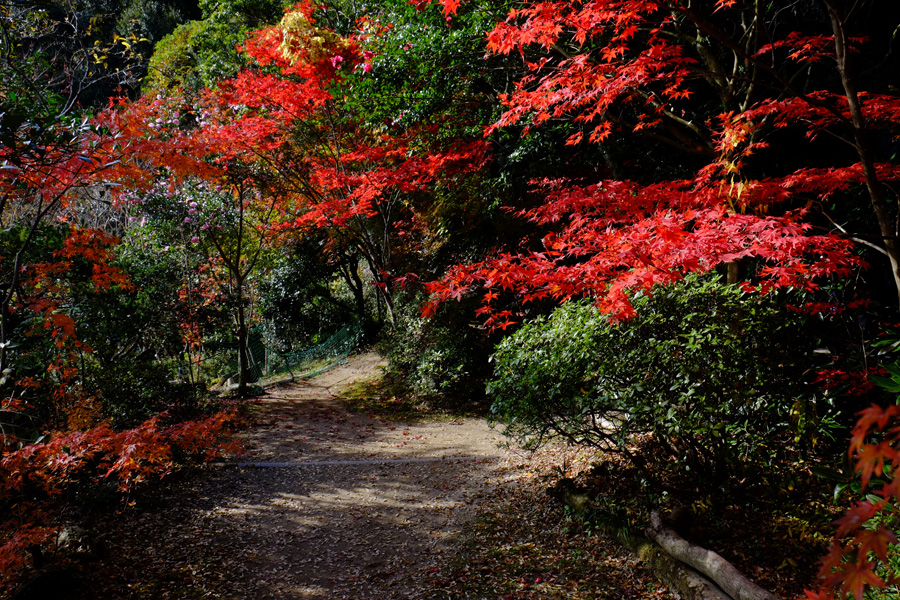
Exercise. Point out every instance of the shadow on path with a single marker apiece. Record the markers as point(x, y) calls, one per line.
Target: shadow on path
point(362, 531)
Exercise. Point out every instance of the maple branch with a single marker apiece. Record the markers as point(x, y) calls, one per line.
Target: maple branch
point(714, 69)
point(714, 32)
point(678, 144)
point(858, 128)
point(681, 121)
point(760, 31)
point(850, 236)
point(726, 83)
point(222, 253)
point(240, 189)
point(41, 212)
point(375, 256)
point(561, 50)
point(262, 238)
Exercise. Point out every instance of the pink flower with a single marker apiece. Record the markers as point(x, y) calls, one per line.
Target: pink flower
point(195, 240)
point(336, 61)
point(367, 67)
point(368, 54)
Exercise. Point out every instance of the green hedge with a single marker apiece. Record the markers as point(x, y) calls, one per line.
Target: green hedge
point(706, 377)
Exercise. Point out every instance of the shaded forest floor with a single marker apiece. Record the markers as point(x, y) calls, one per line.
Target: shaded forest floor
point(475, 525)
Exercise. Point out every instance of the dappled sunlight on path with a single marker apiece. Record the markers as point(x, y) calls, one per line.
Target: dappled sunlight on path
point(336, 530)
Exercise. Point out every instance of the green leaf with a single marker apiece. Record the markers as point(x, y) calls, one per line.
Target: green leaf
point(891, 385)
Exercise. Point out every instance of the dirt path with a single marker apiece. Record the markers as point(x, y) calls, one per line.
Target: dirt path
point(349, 528)
point(352, 506)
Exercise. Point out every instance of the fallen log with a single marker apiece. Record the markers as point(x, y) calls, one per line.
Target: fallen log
point(689, 584)
point(707, 562)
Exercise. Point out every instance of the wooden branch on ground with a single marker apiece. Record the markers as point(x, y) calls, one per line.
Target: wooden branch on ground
point(689, 584)
point(707, 562)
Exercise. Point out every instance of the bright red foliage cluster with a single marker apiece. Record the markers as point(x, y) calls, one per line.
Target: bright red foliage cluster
point(633, 67)
point(34, 479)
point(586, 86)
point(618, 235)
point(865, 531)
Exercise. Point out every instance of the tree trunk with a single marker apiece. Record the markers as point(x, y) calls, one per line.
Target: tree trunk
point(689, 584)
point(862, 144)
point(389, 307)
point(734, 272)
point(350, 272)
point(243, 361)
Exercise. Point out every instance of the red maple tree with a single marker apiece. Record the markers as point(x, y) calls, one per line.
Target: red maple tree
point(35, 479)
point(713, 84)
point(726, 84)
point(285, 117)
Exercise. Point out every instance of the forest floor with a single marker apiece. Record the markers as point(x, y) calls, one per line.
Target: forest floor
point(354, 512)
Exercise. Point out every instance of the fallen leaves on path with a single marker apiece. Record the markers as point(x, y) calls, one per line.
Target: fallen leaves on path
point(524, 545)
point(455, 529)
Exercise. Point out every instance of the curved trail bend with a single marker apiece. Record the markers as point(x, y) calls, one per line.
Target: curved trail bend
point(364, 518)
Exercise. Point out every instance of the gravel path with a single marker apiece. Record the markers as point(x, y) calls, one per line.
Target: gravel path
point(371, 523)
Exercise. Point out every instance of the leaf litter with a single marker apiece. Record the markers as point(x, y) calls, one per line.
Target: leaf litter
point(455, 529)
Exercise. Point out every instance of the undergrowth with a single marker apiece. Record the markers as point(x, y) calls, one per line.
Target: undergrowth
point(389, 396)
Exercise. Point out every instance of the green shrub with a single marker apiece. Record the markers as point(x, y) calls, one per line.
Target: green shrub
point(303, 299)
point(707, 377)
point(201, 53)
point(132, 392)
point(441, 357)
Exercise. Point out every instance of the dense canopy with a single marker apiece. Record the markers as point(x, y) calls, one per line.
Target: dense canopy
point(657, 194)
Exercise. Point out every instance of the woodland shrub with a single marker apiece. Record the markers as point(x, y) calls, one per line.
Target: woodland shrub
point(132, 392)
point(303, 300)
point(713, 378)
point(438, 356)
point(40, 483)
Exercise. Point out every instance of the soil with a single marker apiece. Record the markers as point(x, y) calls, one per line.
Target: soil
point(325, 503)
